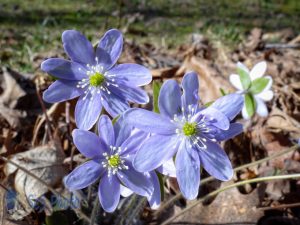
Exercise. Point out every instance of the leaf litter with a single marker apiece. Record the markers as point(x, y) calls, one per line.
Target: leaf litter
point(27, 141)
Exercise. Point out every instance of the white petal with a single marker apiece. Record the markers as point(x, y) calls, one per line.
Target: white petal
point(269, 85)
point(243, 67)
point(236, 81)
point(265, 95)
point(261, 108)
point(168, 168)
point(125, 192)
point(245, 113)
point(258, 70)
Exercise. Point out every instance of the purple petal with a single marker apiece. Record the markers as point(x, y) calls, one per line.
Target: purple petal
point(133, 143)
point(234, 130)
point(154, 152)
point(106, 130)
point(168, 168)
point(149, 122)
point(216, 118)
point(190, 86)
point(62, 90)
point(188, 171)
point(64, 69)
point(88, 143)
point(155, 198)
point(135, 181)
point(131, 94)
point(83, 175)
point(111, 43)
point(216, 162)
point(103, 59)
point(87, 111)
point(109, 193)
point(131, 74)
point(78, 48)
point(230, 105)
point(122, 130)
point(169, 100)
point(114, 104)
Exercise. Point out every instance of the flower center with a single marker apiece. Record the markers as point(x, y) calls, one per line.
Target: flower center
point(189, 129)
point(96, 79)
point(114, 161)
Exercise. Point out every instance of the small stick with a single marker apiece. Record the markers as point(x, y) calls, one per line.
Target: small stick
point(278, 45)
point(292, 205)
point(45, 112)
point(241, 183)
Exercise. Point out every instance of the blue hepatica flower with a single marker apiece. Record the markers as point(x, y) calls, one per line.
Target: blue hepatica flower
point(111, 156)
point(94, 77)
point(188, 130)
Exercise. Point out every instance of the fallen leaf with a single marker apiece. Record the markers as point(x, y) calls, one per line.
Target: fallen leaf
point(228, 207)
point(46, 162)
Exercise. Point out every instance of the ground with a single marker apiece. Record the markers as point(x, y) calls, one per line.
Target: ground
point(170, 38)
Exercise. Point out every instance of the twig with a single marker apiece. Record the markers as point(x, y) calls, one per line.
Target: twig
point(120, 13)
point(282, 206)
point(142, 201)
point(205, 180)
point(4, 188)
point(279, 45)
point(44, 111)
point(44, 183)
point(241, 183)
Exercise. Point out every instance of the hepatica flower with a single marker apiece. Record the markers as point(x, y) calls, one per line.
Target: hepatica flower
point(255, 88)
point(111, 156)
point(95, 77)
point(188, 130)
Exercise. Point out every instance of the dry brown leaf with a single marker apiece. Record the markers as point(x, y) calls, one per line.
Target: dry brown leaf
point(12, 90)
point(228, 207)
point(279, 121)
point(210, 80)
point(8, 99)
point(254, 40)
point(46, 162)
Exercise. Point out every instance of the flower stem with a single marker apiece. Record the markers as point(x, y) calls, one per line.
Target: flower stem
point(95, 211)
point(205, 180)
point(241, 183)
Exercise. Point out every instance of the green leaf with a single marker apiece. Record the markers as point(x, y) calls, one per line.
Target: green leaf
point(245, 78)
point(53, 78)
point(115, 119)
point(223, 92)
point(156, 89)
point(258, 85)
point(161, 185)
point(250, 104)
point(209, 103)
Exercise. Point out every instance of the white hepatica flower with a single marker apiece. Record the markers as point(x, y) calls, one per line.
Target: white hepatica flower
point(255, 88)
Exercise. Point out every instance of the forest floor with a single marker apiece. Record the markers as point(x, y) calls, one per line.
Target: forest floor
point(170, 38)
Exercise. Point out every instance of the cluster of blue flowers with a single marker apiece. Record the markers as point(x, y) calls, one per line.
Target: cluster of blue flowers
point(126, 156)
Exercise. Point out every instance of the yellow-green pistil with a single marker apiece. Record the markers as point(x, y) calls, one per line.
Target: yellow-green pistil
point(189, 129)
point(114, 161)
point(96, 79)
